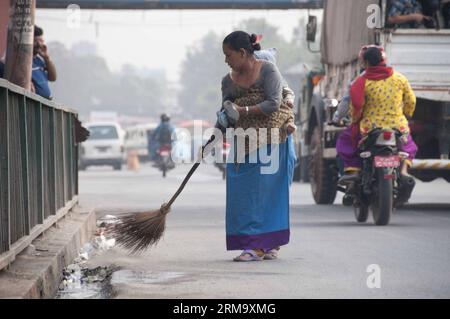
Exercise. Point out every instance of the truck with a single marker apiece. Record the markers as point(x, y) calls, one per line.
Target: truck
point(421, 54)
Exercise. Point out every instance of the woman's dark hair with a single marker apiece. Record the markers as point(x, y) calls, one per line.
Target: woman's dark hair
point(242, 40)
point(373, 56)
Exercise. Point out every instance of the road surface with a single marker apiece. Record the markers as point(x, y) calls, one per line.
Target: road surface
point(330, 255)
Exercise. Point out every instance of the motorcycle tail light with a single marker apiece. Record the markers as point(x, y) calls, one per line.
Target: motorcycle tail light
point(387, 135)
point(166, 148)
point(365, 154)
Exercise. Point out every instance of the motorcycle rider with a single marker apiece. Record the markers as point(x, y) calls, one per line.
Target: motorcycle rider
point(163, 135)
point(379, 98)
point(342, 117)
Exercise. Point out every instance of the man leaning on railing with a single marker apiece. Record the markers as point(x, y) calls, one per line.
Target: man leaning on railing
point(44, 69)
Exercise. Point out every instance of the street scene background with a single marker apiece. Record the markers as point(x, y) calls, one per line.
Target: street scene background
point(124, 74)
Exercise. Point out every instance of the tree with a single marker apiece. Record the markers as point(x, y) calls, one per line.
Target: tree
point(85, 83)
point(201, 75)
point(204, 67)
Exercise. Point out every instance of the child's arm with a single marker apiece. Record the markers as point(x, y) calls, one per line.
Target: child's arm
point(287, 94)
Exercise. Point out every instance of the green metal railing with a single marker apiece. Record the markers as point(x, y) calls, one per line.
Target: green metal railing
point(38, 167)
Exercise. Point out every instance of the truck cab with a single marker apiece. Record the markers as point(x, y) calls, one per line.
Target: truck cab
point(421, 54)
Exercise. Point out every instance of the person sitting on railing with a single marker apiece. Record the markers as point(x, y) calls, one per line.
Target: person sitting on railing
point(407, 14)
point(43, 68)
point(432, 8)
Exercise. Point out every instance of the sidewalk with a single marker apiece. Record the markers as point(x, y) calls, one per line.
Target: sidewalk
point(37, 271)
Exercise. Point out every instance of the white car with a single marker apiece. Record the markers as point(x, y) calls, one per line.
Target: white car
point(105, 145)
point(137, 139)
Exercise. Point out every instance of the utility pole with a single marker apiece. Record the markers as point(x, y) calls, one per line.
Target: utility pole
point(19, 50)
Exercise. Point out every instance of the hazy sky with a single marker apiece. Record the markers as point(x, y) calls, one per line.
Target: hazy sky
point(153, 38)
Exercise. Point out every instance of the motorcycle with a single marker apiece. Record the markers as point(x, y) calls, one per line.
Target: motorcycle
point(165, 162)
point(380, 186)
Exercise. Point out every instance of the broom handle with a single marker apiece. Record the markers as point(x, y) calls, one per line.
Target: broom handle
point(188, 176)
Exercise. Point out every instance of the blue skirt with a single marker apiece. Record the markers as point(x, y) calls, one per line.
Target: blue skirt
point(257, 207)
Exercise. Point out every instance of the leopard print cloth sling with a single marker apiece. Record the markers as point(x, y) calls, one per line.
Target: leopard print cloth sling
point(255, 139)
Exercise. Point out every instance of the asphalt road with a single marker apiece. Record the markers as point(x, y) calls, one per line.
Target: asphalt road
point(330, 255)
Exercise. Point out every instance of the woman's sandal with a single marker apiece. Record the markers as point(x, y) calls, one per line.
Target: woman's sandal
point(271, 254)
point(248, 255)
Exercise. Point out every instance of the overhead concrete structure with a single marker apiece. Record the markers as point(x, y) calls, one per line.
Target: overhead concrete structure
point(158, 4)
point(183, 4)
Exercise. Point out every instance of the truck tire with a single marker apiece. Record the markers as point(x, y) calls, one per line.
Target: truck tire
point(322, 176)
point(382, 204)
point(301, 173)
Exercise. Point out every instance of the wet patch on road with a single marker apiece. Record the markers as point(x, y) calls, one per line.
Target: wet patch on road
point(131, 277)
point(85, 283)
point(81, 282)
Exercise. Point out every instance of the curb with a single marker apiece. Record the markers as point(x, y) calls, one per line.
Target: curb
point(37, 271)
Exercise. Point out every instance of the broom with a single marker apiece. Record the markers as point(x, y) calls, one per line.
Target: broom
point(137, 231)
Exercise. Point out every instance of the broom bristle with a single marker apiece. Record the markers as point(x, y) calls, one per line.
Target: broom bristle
point(137, 231)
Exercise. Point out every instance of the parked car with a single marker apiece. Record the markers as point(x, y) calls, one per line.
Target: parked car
point(137, 139)
point(105, 146)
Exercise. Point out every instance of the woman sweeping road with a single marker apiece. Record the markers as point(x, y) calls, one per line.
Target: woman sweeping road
point(257, 203)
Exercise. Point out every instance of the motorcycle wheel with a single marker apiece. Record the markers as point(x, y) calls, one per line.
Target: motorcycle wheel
point(382, 204)
point(361, 213)
point(164, 168)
